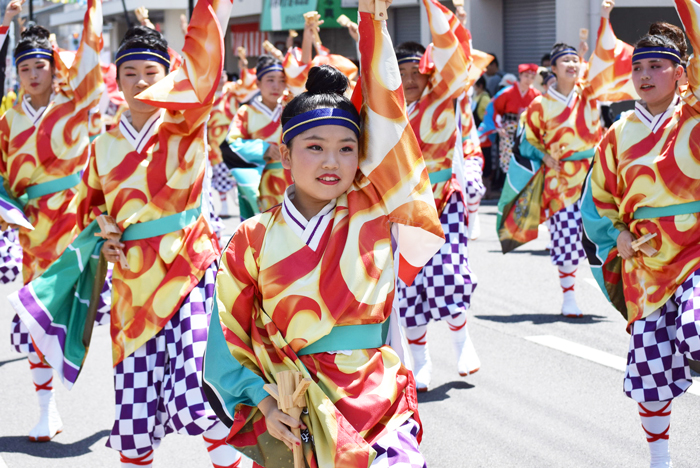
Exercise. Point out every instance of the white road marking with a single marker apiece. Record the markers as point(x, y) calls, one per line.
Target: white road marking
point(2, 463)
point(592, 282)
point(591, 354)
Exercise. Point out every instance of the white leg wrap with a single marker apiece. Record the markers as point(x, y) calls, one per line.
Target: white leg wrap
point(467, 360)
point(422, 366)
point(221, 454)
point(656, 422)
point(50, 422)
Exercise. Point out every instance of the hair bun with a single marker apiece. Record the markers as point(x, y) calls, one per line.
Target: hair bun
point(36, 31)
point(673, 33)
point(326, 80)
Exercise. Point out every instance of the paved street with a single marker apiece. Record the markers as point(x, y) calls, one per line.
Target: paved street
point(549, 393)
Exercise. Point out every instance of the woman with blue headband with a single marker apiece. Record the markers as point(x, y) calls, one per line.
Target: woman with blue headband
point(559, 133)
point(252, 145)
point(44, 143)
point(644, 187)
point(149, 174)
point(308, 286)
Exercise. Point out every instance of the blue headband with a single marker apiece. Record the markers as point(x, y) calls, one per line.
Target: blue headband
point(317, 118)
point(404, 58)
point(143, 54)
point(656, 52)
point(269, 69)
point(34, 53)
point(563, 53)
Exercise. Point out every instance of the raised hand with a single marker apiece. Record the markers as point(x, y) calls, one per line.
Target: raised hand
point(606, 8)
point(13, 9)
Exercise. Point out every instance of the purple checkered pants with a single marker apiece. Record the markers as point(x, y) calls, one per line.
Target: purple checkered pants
point(565, 232)
point(10, 256)
point(399, 448)
point(443, 288)
point(159, 387)
point(20, 340)
point(475, 189)
point(662, 343)
point(221, 179)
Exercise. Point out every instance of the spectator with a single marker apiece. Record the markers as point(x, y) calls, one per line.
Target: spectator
point(493, 76)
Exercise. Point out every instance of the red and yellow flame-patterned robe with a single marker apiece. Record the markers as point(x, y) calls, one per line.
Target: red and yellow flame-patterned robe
point(432, 117)
point(42, 145)
point(573, 121)
point(142, 176)
point(277, 294)
point(649, 161)
point(222, 115)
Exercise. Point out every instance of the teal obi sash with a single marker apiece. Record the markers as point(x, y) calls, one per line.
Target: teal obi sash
point(440, 176)
point(649, 212)
point(588, 154)
point(350, 337)
point(53, 186)
point(161, 226)
point(273, 165)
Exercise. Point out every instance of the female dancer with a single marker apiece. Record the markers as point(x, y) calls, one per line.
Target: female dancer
point(148, 174)
point(561, 130)
point(297, 281)
point(645, 181)
point(432, 81)
point(43, 147)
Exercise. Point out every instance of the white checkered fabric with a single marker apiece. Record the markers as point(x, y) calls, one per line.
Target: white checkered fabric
point(475, 189)
point(221, 179)
point(10, 256)
point(399, 448)
point(565, 233)
point(159, 387)
point(662, 343)
point(103, 317)
point(443, 288)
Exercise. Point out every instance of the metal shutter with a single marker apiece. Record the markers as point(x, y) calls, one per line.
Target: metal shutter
point(529, 30)
point(406, 24)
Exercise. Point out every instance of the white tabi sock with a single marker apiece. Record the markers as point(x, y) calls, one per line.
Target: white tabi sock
point(467, 360)
point(656, 422)
point(50, 422)
point(422, 366)
point(222, 455)
point(142, 461)
point(567, 279)
point(224, 204)
point(474, 226)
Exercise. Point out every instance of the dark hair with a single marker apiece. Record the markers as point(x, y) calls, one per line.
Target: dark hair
point(545, 58)
point(265, 61)
point(34, 37)
point(325, 88)
point(409, 48)
point(558, 47)
point(141, 37)
point(495, 59)
point(481, 82)
point(665, 35)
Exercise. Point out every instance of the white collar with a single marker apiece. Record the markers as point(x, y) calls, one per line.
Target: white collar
point(274, 115)
point(34, 114)
point(311, 231)
point(654, 122)
point(411, 107)
point(566, 100)
point(139, 139)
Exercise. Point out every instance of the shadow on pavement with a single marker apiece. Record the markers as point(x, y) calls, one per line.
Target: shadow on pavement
point(53, 449)
point(542, 319)
point(536, 253)
point(10, 361)
point(440, 393)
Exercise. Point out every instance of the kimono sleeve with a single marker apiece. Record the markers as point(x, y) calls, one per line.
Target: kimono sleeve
point(3, 34)
point(238, 150)
point(296, 71)
point(391, 162)
point(449, 55)
point(188, 92)
point(532, 145)
point(605, 189)
point(89, 199)
point(232, 373)
point(689, 12)
point(85, 74)
point(609, 76)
